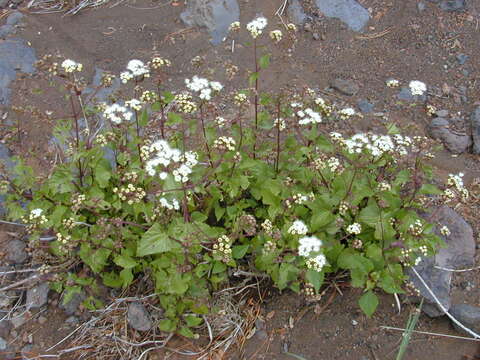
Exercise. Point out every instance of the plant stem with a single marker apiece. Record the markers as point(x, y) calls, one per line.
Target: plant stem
point(256, 99)
point(77, 139)
point(277, 160)
point(205, 135)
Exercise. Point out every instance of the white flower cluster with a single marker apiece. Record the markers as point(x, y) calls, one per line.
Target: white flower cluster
point(269, 247)
point(316, 263)
point(309, 244)
point(130, 193)
point(185, 103)
point(384, 186)
point(159, 62)
point(298, 228)
point(134, 104)
point(416, 228)
point(240, 99)
point(220, 121)
point(36, 217)
point(325, 107)
point(204, 87)
point(224, 143)
point(70, 66)
point(355, 229)
point(276, 35)
point(308, 116)
point(117, 113)
point(445, 231)
point(346, 113)
point(357, 244)
point(267, 226)
point(456, 181)
point(223, 248)
point(165, 156)
point(392, 83)
point(280, 123)
point(174, 205)
point(377, 145)
point(77, 201)
point(417, 87)
point(148, 96)
point(256, 26)
point(343, 208)
point(235, 26)
point(292, 27)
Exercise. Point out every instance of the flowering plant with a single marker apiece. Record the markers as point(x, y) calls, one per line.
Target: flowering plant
point(144, 194)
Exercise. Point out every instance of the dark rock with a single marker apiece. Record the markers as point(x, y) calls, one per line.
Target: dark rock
point(475, 124)
point(72, 306)
point(138, 317)
point(295, 12)
point(350, 12)
point(15, 55)
point(405, 94)
point(365, 106)
point(37, 296)
point(5, 328)
point(441, 113)
point(18, 320)
point(462, 58)
point(468, 315)
point(345, 86)
point(15, 252)
point(215, 15)
point(27, 353)
point(6, 350)
point(72, 320)
point(453, 5)
point(14, 18)
point(465, 72)
point(455, 143)
point(458, 253)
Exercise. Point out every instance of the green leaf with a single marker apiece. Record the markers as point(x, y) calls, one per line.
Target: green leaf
point(155, 241)
point(368, 303)
point(111, 279)
point(370, 215)
point(239, 251)
point(252, 78)
point(167, 325)
point(286, 273)
point(315, 278)
point(143, 121)
point(103, 174)
point(127, 277)
point(185, 331)
point(430, 189)
point(349, 259)
point(192, 320)
point(321, 219)
point(264, 61)
point(174, 119)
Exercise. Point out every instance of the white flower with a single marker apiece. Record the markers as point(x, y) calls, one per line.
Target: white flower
point(417, 87)
point(256, 26)
point(216, 86)
point(138, 68)
point(309, 117)
point(174, 205)
point(276, 35)
point(71, 66)
point(117, 113)
point(35, 213)
point(317, 263)
point(445, 231)
point(126, 76)
point(298, 228)
point(203, 87)
point(220, 121)
point(308, 244)
point(346, 113)
point(392, 83)
point(234, 26)
point(292, 27)
point(134, 104)
point(205, 94)
point(224, 143)
point(355, 228)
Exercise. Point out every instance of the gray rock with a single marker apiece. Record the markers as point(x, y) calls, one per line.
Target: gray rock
point(441, 113)
point(101, 94)
point(5, 328)
point(138, 317)
point(72, 306)
point(453, 5)
point(215, 15)
point(14, 18)
point(365, 106)
point(458, 253)
point(475, 125)
point(345, 86)
point(3, 4)
point(15, 252)
point(6, 30)
point(72, 320)
point(18, 320)
point(295, 12)
point(27, 353)
point(455, 143)
point(3, 344)
point(468, 315)
point(15, 55)
point(421, 6)
point(405, 94)
point(37, 296)
point(462, 58)
point(350, 12)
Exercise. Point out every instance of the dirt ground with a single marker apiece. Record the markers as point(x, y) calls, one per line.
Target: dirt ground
point(400, 42)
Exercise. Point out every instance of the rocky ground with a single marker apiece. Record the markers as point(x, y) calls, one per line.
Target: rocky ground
point(344, 49)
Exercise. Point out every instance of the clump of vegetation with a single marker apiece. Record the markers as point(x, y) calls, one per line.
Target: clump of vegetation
point(162, 183)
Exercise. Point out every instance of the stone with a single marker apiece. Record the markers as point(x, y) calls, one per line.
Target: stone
point(6, 30)
point(101, 93)
point(27, 353)
point(295, 12)
point(15, 252)
point(3, 4)
point(462, 58)
point(468, 315)
point(441, 113)
point(405, 94)
point(365, 106)
point(458, 253)
point(18, 320)
point(138, 317)
point(72, 306)
point(5, 328)
point(37, 296)
point(42, 320)
point(475, 125)
point(15, 55)
point(215, 15)
point(72, 320)
point(14, 18)
point(345, 86)
point(350, 12)
point(421, 6)
point(3, 344)
point(453, 5)
point(455, 143)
